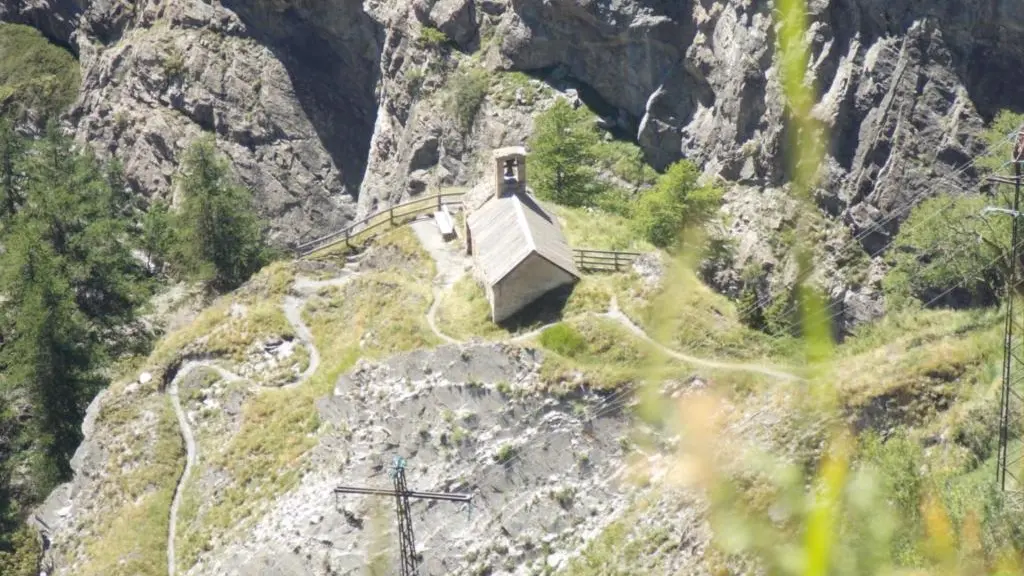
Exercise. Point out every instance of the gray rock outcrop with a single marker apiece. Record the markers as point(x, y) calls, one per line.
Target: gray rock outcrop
point(319, 104)
point(904, 90)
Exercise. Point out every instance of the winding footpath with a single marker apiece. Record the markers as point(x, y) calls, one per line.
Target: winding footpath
point(292, 308)
point(616, 314)
point(451, 266)
point(190, 450)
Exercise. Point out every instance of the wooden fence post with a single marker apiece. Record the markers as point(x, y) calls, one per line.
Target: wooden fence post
point(391, 215)
point(616, 261)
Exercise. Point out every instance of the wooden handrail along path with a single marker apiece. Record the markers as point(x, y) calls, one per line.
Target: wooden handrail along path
point(603, 260)
point(400, 214)
point(392, 216)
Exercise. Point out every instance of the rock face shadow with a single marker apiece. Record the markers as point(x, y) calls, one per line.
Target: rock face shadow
point(331, 51)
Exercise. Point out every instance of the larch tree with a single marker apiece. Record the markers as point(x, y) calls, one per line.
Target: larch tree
point(12, 150)
point(222, 236)
point(49, 352)
point(677, 202)
point(562, 155)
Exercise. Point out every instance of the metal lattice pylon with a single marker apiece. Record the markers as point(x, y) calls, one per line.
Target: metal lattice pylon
point(409, 559)
point(1010, 456)
point(406, 538)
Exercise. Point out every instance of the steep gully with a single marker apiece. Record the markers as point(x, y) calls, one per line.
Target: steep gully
point(450, 268)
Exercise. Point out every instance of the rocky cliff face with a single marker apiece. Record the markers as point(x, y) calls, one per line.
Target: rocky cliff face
point(323, 104)
point(904, 91)
point(288, 92)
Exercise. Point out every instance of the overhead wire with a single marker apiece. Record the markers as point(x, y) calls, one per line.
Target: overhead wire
point(767, 299)
point(879, 226)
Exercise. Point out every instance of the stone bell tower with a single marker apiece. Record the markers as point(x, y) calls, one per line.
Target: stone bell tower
point(509, 171)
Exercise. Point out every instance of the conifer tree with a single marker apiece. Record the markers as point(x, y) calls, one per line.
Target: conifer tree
point(68, 195)
point(222, 235)
point(49, 353)
point(11, 151)
point(157, 236)
point(561, 149)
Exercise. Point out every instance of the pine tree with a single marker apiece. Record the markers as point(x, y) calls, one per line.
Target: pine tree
point(68, 195)
point(49, 353)
point(562, 155)
point(11, 152)
point(157, 236)
point(222, 235)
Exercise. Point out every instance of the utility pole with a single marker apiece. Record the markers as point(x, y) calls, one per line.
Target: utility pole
point(1010, 401)
point(406, 539)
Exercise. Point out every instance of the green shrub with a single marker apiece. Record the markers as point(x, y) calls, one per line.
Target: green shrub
point(505, 453)
point(563, 339)
point(466, 93)
point(898, 461)
point(675, 204)
point(174, 64)
point(432, 37)
point(946, 245)
point(20, 555)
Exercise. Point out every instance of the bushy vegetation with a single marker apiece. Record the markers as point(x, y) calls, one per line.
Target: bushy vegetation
point(677, 203)
point(572, 166)
point(466, 92)
point(35, 75)
point(947, 250)
point(563, 339)
point(432, 37)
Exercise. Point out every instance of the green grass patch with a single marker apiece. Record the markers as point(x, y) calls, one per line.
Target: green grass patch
point(932, 369)
point(563, 339)
point(230, 335)
point(516, 88)
point(602, 354)
point(132, 540)
point(599, 230)
point(686, 315)
point(34, 74)
point(260, 320)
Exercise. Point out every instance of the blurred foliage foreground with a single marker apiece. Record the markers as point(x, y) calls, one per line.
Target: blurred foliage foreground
point(861, 504)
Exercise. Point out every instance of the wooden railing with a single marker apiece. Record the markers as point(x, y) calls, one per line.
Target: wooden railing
point(391, 217)
point(603, 260)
